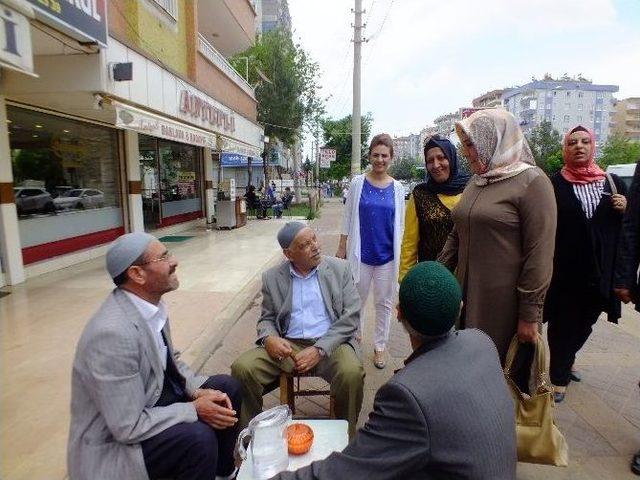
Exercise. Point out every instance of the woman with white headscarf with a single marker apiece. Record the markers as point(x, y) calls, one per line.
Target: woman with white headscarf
point(502, 243)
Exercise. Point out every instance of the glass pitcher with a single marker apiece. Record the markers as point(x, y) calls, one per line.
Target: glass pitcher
point(267, 433)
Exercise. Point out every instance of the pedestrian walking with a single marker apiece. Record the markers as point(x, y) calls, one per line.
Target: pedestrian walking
point(628, 262)
point(428, 219)
point(345, 195)
point(372, 228)
point(590, 209)
point(501, 246)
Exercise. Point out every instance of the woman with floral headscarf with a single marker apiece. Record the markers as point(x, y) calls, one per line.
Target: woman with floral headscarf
point(590, 210)
point(504, 228)
point(427, 220)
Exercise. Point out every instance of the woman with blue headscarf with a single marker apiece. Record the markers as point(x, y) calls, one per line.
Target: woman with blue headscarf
point(428, 216)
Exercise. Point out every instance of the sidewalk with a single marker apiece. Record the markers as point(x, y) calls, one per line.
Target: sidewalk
point(41, 321)
point(600, 417)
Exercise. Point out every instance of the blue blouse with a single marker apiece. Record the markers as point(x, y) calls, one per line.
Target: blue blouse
point(377, 214)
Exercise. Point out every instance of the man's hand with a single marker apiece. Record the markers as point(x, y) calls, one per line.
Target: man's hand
point(277, 347)
point(624, 294)
point(306, 359)
point(527, 332)
point(216, 396)
point(215, 413)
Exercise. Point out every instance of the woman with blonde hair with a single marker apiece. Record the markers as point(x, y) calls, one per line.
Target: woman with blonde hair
point(372, 228)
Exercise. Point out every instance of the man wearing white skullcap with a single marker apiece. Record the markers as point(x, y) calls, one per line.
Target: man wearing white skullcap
point(137, 411)
point(310, 312)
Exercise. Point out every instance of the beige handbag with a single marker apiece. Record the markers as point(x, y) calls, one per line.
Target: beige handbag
point(539, 440)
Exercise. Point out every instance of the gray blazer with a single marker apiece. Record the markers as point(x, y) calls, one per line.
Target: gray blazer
point(446, 415)
point(117, 377)
point(338, 292)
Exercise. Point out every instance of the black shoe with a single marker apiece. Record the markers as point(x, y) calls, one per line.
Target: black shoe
point(635, 464)
point(558, 397)
point(575, 377)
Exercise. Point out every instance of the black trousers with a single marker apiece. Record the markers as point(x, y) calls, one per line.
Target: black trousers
point(570, 325)
point(196, 450)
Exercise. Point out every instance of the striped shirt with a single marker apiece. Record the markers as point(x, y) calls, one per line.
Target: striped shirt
point(589, 195)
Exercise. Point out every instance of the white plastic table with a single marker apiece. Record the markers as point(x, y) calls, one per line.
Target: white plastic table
point(328, 436)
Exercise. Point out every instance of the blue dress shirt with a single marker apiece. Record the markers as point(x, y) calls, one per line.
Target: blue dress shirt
point(309, 316)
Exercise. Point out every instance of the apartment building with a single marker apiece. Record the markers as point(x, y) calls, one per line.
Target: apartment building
point(626, 119)
point(118, 116)
point(406, 147)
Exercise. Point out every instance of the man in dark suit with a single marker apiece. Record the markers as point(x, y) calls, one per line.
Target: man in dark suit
point(137, 411)
point(310, 312)
point(446, 414)
point(627, 281)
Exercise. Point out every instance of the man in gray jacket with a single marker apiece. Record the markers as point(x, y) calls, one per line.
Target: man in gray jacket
point(447, 414)
point(138, 412)
point(310, 312)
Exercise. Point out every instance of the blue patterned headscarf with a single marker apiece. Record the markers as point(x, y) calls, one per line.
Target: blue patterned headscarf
point(457, 181)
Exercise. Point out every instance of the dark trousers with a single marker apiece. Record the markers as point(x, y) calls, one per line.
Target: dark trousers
point(196, 450)
point(570, 325)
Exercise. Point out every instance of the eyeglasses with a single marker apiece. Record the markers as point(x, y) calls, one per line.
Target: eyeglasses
point(162, 258)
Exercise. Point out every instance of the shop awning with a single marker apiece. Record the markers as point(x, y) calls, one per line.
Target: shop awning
point(236, 160)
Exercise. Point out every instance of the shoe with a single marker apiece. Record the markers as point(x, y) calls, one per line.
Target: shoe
point(574, 376)
point(635, 464)
point(379, 359)
point(558, 397)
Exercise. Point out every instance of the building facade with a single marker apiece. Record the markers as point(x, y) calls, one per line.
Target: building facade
point(273, 14)
point(445, 123)
point(127, 126)
point(406, 147)
point(425, 134)
point(626, 120)
point(565, 103)
point(490, 99)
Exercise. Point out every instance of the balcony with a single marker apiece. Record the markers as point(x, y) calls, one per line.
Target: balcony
point(216, 59)
point(229, 24)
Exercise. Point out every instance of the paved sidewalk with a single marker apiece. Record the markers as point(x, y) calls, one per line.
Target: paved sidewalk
point(600, 416)
point(41, 321)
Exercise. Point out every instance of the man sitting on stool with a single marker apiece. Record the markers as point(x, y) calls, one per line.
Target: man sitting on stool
point(138, 412)
point(310, 312)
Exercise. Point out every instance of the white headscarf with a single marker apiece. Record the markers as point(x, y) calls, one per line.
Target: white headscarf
point(500, 144)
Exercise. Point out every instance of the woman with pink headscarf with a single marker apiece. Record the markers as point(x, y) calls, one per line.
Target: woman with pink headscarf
point(591, 205)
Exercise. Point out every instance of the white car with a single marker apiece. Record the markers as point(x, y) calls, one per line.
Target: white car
point(32, 200)
point(80, 198)
point(625, 171)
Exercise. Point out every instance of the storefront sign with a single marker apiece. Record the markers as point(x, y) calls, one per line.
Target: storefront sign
point(228, 145)
point(82, 19)
point(199, 109)
point(140, 121)
point(15, 38)
point(237, 160)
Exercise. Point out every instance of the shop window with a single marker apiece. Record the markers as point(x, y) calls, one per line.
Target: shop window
point(65, 182)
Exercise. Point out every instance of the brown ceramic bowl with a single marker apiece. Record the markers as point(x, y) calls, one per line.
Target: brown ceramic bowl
point(299, 438)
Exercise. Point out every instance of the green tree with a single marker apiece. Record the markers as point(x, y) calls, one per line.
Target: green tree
point(286, 87)
point(546, 146)
point(403, 168)
point(618, 149)
point(337, 134)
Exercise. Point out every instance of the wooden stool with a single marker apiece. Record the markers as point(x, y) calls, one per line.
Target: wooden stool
point(289, 391)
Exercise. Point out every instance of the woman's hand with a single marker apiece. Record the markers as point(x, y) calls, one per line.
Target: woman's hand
point(527, 332)
point(342, 252)
point(619, 202)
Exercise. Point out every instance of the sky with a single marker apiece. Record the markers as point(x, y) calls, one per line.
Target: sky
point(425, 58)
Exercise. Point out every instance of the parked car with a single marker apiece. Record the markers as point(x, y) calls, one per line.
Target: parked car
point(80, 198)
point(33, 200)
point(624, 171)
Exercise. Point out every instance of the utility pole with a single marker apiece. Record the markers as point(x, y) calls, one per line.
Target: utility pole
point(355, 115)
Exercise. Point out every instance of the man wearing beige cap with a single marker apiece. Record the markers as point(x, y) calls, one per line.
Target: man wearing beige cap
point(310, 312)
point(138, 412)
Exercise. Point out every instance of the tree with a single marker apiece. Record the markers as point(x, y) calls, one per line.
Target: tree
point(285, 85)
point(618, 149)
point(403, 168)
point(546, 146)
point(337, 134)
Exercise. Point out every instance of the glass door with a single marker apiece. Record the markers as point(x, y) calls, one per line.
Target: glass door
point(150, 179)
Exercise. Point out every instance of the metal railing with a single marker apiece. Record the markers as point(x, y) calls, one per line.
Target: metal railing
point(218, 60)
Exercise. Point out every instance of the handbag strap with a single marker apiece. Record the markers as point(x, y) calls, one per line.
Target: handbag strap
point(614, 189)
point(540, 361)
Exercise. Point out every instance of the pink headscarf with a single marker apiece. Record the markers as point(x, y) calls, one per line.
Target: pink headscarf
point(582, 173)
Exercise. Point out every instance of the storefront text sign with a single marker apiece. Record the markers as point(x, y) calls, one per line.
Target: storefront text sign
point(237, 160)
point(327, 155)
point(15, 40)
point(231, 146)
point(199, 109)
point(85, 20)
point(134, 119)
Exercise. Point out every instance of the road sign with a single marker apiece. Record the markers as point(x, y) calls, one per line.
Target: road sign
point(327, 155)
